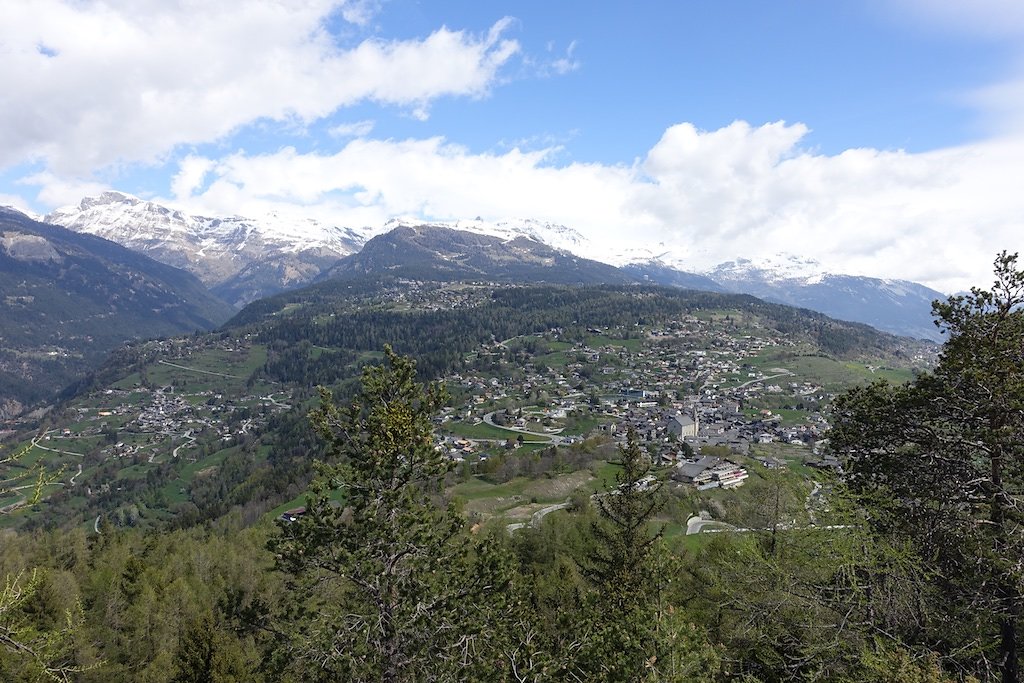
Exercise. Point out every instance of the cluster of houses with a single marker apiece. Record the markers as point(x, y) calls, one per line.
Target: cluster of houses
point(710, 472)
point(687, 386)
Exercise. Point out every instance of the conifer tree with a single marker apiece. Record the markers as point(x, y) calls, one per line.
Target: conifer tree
point(623, 644)
point(388, 583)
point(941, 461)
point(29, 649)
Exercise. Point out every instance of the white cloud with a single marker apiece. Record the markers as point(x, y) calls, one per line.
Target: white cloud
point(100, 83)
point(553, 65)
point(936, 217)
point(354, 129)
point(56, 191)
point(191, 172)
point(16, 202)
point(998, 24)
point(360, 12)
point(567, 63)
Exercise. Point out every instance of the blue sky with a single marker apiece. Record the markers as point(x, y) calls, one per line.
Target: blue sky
point(882, 138)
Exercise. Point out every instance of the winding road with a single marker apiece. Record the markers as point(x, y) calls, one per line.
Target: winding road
point(36, 444)
point(553, 438)
point(186, 435)
point(538, 516)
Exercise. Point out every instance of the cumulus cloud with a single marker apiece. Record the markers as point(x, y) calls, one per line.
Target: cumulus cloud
point(699, 196)
point(55, 190)
point(101, 83)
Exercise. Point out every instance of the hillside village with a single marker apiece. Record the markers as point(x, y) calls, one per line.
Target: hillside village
point(679, 388)
point(704, 394)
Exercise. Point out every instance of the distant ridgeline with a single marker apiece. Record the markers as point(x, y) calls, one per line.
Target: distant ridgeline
point(343, 316)
point(66, 299)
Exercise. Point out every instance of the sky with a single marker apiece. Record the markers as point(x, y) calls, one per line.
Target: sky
point(882, 138)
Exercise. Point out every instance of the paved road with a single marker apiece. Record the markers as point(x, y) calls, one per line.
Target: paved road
point(202, 372)
point(787, 373)
point(538, 516)
point(186, 435)
point(270, 397)
point(35, 442)
point(696, 523)
point(554, 438)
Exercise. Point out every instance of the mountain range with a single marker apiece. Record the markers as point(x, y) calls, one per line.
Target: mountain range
point(238, 259)
point(244, 259)
point(67, 299)
point(86, 278)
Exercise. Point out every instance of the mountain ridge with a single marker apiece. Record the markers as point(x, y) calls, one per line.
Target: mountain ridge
point(69, 298)
point(244, 259)
point(430, 251)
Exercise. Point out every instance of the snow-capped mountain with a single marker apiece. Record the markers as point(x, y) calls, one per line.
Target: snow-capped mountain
point(239, 259)
point(550, 234)
point(897, 306)
point(777, 268)
point(243, 259)
point(69, 299)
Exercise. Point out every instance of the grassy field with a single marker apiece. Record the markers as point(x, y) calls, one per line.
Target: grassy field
point(217, 370)
point(833, 374)
point(485, 431)
point(519, 498)
point(794, 456)
point(556, 359)
point(514, 500)
point(300, 501)
point(582, 426)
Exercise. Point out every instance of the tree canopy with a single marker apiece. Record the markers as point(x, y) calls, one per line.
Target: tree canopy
point(941, 461)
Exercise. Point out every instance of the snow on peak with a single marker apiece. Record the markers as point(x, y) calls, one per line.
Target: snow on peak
point(7, 208)
point(772, 268)
point(126, 219)
point(551, 234)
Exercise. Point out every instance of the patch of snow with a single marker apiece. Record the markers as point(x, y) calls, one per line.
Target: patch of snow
point(775, 268)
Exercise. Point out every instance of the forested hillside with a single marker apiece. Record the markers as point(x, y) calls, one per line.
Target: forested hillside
point(334, 316)
point(69, 299)
point(247, 538)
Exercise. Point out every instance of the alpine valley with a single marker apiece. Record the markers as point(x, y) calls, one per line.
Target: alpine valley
point(86, 278)
point(68, 299)
point(183, 421)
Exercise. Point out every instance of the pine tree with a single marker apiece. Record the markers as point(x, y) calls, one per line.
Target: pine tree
point(388, 583)
point(623, 645)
